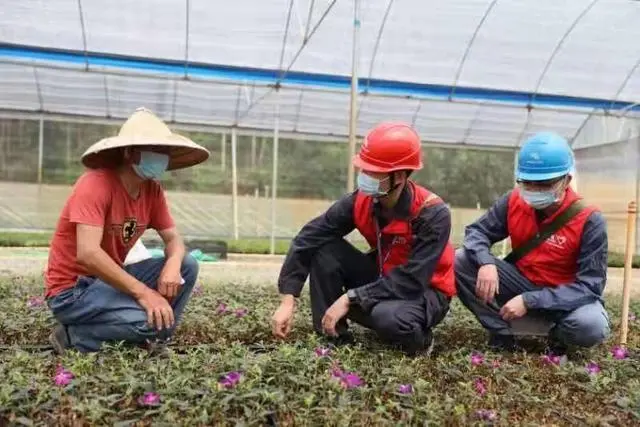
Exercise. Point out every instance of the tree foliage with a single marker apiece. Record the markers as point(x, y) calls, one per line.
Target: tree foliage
point(306, 169)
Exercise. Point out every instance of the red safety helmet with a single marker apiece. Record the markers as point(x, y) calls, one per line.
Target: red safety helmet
point(388, 147)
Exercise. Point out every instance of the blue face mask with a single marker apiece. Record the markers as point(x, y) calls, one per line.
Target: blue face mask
point(539, 199)
point(370, 185)
point(152, 165)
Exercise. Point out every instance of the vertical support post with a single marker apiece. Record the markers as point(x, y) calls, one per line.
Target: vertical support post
point(636, 159)
point(68, 152)
point(40, 149)
point(223, 151)
point(234, 181)
point(628, 260)
point(274, 173)
point(354, 94)
point(253, 151)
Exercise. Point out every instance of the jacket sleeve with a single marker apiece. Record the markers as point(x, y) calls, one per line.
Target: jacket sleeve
point(431, 231)
point(490, 228)
point(591, 276)
point(333, 224)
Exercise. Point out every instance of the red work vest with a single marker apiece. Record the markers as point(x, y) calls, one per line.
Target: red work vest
point(398, 232)
point(553, 262)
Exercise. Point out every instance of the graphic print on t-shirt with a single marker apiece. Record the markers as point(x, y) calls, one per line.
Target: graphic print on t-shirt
point(129, 227)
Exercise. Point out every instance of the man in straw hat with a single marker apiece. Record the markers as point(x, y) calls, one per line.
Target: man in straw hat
point(94, 297)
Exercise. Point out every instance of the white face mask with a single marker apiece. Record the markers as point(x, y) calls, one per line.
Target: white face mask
point(370, 185)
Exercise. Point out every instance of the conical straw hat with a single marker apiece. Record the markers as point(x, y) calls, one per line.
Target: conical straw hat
point(143, 128)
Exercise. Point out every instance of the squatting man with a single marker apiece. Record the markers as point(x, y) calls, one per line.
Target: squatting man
point(94, 297)
point(402, 288)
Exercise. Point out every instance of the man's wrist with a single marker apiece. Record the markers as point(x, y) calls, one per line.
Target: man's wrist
point(529, 299)
point(139, 290)
point(288, 299)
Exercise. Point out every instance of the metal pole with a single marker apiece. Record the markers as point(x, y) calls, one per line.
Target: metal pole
point(253, 151)
point(637, 198)
point(223, 151)
point(354, 95)
point(274, 173)
point(515, 184)
point(234, 181)
point(40, 149)
point(628, 259)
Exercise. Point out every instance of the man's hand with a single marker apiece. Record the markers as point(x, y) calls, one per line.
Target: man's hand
point(487, 282)
point(282, 319)
point(513, 309)
point(337, 311)
point(170, 280)
point(159, 312)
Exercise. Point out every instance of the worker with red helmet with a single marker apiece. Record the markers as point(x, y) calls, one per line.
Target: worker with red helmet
point(402, 288)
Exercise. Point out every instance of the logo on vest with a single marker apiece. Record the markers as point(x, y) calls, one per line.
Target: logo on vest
point(557, 241)
point(399, 240)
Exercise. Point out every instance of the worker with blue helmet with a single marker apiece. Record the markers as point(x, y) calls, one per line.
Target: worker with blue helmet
point(553, 280)
point(546, 159)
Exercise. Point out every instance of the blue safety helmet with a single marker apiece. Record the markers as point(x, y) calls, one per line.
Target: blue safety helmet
point(544, 156)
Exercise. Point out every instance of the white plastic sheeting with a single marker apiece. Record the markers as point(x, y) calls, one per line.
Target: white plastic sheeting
point(442, 65)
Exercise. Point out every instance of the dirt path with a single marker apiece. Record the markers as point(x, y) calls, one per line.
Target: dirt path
point(245, 269)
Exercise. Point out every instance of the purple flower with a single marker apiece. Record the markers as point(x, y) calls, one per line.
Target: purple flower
point(198, 290)
point(632, 317)
point(322, 352)
point(480, 386)
point(36, 301)
point(351, 380)
point(619, 352)
point(149, 399)
point(62, 377)
point(486, 414)
point(592, 368)
point(477, 359)
point(405, 389)
point(347, 379)
point(222, 308)
point(230, 380)
point(551, 359)
point(241, 312)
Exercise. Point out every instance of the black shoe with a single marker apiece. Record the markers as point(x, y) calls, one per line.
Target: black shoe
point(59, 339)
point(422, 346)
point(502, 343)
point(157, 348)
point(345, 338)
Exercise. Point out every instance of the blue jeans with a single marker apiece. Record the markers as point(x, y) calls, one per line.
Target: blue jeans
point(94, 312)
point(586, 326)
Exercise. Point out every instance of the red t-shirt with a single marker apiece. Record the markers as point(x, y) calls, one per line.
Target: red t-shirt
point(99, 198)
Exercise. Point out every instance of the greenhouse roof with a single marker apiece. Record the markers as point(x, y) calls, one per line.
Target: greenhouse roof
point(476, 72)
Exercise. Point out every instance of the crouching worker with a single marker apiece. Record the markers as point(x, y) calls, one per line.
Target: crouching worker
point(93, 297)
point(552, 282)
point(402, 289)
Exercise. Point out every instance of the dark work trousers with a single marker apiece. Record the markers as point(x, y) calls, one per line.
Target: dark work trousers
point(585, 326)
point(338, 266)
